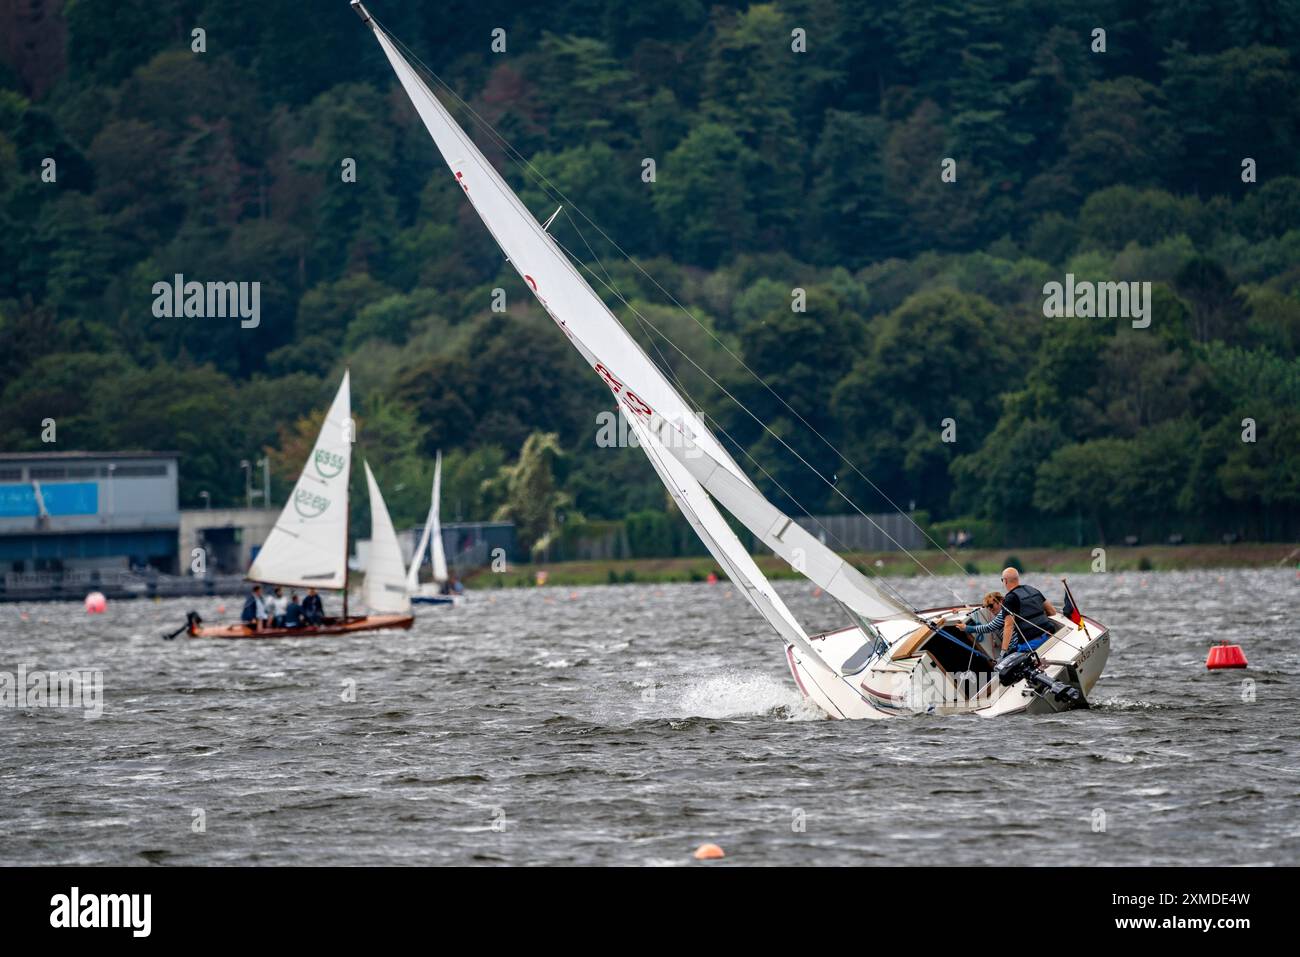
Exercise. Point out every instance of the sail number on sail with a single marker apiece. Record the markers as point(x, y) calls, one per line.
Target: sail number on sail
point(308, 504)
point(633, 401)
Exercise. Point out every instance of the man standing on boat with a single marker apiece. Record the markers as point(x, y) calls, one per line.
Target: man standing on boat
point(1028, 615)
point(254, 609)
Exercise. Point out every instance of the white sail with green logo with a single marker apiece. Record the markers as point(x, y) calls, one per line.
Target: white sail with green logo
point(309, 543)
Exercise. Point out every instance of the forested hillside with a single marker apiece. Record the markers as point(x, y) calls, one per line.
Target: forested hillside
point(774, 171)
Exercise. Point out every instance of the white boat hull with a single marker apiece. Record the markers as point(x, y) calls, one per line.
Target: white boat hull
point(912, 679)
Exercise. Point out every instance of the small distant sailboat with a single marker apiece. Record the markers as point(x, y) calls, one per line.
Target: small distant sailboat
point(431, 593)
point(308, 547)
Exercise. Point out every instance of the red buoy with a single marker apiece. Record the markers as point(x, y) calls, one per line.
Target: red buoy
point(1225, 656)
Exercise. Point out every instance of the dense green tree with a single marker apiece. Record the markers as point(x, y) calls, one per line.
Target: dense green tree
point(904, 407)
point(532, 497)
point(704, 194)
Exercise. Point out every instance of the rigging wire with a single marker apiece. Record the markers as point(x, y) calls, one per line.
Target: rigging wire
point(768, 475)
point(704, 416)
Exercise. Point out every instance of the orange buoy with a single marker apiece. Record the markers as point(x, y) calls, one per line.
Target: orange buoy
point(709, 852)
point(96, 603)
point(712, 579)
point(1225, 656)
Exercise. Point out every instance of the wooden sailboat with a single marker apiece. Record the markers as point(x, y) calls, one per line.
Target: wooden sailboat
point(892, 659)
point(308, 546)
point(431, 592)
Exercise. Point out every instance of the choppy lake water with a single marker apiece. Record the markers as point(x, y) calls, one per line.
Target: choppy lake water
point(628, 724)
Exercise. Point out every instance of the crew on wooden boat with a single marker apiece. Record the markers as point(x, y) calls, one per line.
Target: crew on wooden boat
point(254, 609)
point(293, 613)
point(313, 611)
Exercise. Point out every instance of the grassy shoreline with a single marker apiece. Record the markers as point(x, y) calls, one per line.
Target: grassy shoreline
point(979, 562)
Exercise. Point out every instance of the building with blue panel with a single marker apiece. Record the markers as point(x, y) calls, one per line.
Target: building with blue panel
point(76, 511)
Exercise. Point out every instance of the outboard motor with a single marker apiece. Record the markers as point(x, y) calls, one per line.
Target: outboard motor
point(1026, 665)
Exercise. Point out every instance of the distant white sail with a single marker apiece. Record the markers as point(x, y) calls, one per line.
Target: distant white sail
point(439, 557)
point(308, 545)
point(385, 591)
point(432, 533)
point(413, 573)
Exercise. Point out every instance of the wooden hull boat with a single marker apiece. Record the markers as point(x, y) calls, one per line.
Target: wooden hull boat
point(308, 546)
point(330, 626)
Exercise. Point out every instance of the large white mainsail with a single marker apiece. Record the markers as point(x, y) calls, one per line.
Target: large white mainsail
point(309, 543)
point(634, 379)
point(432, 534)
point(563, 293)
point(385, 590)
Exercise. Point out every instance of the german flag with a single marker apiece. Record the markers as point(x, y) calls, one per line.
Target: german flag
point(1071, 610)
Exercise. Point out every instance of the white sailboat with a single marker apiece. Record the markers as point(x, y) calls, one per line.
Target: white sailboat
point(308, 546)
point(431, 592)
point(888, 661)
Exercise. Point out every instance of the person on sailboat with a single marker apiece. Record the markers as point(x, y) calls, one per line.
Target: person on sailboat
point(275, 609)
point(313, 611)
point(993, 627)
point(293, 613)
point(1027, 615)
point(254, 609)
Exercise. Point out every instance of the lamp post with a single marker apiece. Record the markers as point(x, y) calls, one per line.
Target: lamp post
point(248, 482)
point(265, 463)
point(207, 499)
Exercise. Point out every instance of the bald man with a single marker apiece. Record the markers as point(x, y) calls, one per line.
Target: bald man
point(1028, 614)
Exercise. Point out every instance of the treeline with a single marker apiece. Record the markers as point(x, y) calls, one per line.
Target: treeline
point(781, 179)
